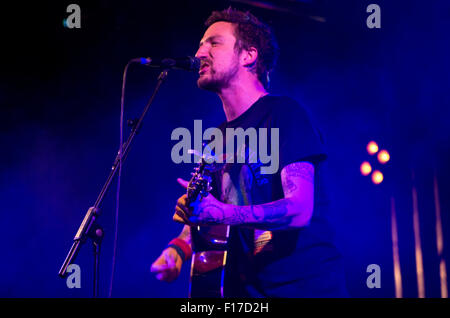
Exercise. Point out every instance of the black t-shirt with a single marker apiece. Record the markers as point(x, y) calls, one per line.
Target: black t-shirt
point(279, 263)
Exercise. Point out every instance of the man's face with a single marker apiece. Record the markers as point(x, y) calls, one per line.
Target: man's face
point(219, 59)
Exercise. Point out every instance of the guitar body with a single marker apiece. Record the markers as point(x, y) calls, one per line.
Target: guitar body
point(208, 260)
point(209, 243)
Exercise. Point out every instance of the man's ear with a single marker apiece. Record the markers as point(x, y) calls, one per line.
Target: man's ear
point(249, 57)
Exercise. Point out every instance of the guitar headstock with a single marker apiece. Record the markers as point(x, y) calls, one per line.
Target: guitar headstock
point(200, 183)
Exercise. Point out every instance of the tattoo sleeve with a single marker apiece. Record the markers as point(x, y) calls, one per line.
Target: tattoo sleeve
point(288, 185)
point(274, 211)
point(275, 214)
point(303, 170)
point(294, 210)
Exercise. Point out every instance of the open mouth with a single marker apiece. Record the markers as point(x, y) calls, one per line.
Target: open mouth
point(203, 68)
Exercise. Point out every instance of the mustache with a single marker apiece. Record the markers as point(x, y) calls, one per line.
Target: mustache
point(204, 62)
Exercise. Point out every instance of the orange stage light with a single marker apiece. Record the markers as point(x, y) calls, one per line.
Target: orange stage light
point(383, 156)
point(377, 177)
point(365, 168)
point(372, 148)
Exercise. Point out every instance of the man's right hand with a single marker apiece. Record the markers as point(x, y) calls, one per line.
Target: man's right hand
point(168, 266)
point(182, 209)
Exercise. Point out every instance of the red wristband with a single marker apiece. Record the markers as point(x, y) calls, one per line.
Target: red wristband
point(187, 250)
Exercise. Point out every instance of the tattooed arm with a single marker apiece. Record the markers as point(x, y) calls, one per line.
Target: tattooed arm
point(294, 210)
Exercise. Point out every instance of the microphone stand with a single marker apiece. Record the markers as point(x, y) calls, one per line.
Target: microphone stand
point(90, 227)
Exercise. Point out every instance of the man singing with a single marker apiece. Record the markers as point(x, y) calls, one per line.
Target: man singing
point(280, 244)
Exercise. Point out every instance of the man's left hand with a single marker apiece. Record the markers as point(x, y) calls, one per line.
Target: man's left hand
point(205, 210)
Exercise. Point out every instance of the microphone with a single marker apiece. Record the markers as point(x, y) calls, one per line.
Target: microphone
point(187, 63)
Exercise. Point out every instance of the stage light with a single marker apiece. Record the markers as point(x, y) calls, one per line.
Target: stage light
point(377, 177)
point(383, 156)
point(365, 168)
point(372, 148)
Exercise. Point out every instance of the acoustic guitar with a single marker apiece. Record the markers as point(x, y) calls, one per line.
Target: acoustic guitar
point(209, 242)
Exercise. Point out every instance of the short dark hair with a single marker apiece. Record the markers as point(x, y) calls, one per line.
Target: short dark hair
point(251, 32)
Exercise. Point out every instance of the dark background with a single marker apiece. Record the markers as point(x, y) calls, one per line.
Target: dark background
point(60, 106)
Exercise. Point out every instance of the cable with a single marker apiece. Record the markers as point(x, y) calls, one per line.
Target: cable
point(116, 219)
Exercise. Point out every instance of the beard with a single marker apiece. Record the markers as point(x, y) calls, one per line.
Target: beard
point(215, 81)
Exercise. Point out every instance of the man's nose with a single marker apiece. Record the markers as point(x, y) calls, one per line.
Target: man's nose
point(201, 52)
